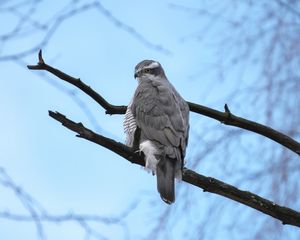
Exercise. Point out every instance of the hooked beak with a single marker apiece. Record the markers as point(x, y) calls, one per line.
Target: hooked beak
point(135, 75)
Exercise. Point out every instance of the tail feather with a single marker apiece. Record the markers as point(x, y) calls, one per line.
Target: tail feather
point(165, 173)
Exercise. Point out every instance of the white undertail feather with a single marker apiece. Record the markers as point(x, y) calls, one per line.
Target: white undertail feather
point(148, 148)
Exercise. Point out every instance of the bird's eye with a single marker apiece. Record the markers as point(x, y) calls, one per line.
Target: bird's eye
point(147, 70)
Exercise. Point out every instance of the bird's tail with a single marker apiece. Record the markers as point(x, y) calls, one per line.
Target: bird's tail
point(165, 173)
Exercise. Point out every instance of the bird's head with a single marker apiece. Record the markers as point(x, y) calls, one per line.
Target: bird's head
point(149, 70)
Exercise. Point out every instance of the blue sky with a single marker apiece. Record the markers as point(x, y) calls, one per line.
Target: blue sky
point(67, 174)
point(64, 173)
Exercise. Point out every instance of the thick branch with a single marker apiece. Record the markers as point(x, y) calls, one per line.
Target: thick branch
point(224, 117)
point(208, 184)
point(230, 119)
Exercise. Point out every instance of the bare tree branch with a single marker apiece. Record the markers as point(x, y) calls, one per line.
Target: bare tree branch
point(49, 27)
point(224, 117)
point(30, 204)
point(131, 30)
point(38, 215)
point(289, 7)
point(110, 109)
point(208, 184)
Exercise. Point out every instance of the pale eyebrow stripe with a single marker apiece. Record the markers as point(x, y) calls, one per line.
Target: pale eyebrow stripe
point(153, 65)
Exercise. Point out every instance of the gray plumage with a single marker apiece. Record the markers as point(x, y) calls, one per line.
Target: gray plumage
point(162, 117)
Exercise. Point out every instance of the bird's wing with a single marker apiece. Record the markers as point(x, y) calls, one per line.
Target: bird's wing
point(185, 110)
point(157, 111)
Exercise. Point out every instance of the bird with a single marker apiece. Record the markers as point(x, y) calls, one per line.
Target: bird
point(156, 124)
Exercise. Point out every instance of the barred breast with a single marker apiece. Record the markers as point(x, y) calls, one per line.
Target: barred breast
point(129, 125)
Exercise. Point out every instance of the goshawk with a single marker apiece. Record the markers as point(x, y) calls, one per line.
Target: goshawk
point(157, 124)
